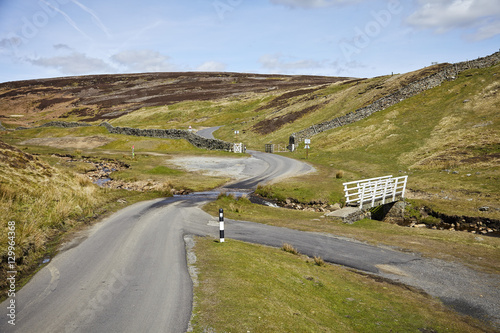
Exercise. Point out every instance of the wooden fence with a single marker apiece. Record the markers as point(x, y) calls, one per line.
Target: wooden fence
point(375, 191)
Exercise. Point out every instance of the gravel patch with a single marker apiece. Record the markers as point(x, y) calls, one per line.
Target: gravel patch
point(235, 168)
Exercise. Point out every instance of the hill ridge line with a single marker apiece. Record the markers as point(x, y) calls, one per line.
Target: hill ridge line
point(412, 89)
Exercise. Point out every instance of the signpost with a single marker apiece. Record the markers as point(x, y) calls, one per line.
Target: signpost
point(133, 153)
point(307, 142)
point(291, 143)
point(238, 147)
point(221, 225)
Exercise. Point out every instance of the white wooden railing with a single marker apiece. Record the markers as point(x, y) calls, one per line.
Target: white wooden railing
point(238, 147)
point(375, 191)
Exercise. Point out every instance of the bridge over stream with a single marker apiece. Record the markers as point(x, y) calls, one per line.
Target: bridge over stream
point(362, 195)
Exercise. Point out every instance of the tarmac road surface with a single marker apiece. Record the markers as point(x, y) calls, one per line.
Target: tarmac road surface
point(128, 273)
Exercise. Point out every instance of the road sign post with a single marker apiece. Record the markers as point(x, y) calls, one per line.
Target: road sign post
point(238, 147)
point(307, 142)
point(221, 225)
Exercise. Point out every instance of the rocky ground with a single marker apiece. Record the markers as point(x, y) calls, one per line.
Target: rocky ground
point(433, 220)
point(101, 174)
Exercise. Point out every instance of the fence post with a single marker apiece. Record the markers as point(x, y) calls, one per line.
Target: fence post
point(221, 225)
point(404, 187)
point(395, 189)
point(362, 196)
point(385, 192)
point(374, 194)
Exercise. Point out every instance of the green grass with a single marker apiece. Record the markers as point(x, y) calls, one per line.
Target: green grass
point(162, 170)
point(150, 162)
point(419, 137)
point(251, 288)
point(243, 209)
point(150, 167)
point(44, 132)
point(320, 186)
point(481, 253)
point(142, 144)
point(193, 113)
point(45, 202)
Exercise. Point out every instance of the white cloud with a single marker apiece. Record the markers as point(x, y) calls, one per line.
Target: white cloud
point(62, 47)
point(483, 16)
point(144, 61)
point(212, 66)
point(488, 30)
point(9, 45)
point(279, 64)
point(312, 3)
point(74, 64)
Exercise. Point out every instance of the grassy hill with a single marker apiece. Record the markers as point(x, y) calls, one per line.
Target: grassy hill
point(41, 200)
point(446, 138)
point(105, 97)
point(44, 202)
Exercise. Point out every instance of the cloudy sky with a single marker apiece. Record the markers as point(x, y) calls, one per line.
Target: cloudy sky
point(358, 38)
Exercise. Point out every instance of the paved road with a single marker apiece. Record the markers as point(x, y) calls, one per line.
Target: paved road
point(128, 273)
point(208, 132)
point(275, 167)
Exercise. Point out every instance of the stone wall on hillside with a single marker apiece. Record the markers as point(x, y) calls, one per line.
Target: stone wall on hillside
point(195, 140)
point(64, 124)
point(1, 127)
point(446, 74)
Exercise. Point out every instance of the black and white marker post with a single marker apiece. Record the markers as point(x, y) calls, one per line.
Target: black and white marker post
point(221, 225)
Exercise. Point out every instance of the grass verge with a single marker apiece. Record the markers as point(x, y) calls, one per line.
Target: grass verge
point(477, 252)
point(446, 139)
point(252, 288)
point(42, 203)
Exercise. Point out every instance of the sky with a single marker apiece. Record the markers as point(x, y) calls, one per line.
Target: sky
point(353, 38)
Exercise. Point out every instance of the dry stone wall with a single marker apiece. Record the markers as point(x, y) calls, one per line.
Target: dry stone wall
point(410, 90)
point(195, 140)
point(64, 124)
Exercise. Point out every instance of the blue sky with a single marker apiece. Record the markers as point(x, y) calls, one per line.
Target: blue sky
point(356, 38)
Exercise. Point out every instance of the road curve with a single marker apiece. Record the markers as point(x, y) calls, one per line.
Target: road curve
point(208, 133)
point(128, 273)
point(277, 167)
